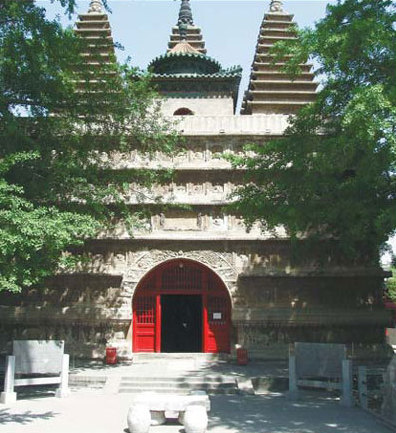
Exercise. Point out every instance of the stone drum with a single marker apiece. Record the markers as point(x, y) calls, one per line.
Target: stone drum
point(195, 419)
point(139, 419)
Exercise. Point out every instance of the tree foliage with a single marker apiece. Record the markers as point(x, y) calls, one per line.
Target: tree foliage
point(56, 183)
point(333, 175)
point(391, 286)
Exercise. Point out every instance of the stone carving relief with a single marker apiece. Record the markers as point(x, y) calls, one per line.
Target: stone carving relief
point(255, 336)
point(143, 262)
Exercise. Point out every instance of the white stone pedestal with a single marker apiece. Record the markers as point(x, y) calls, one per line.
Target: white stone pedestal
point(139, 419)
point(195, 419)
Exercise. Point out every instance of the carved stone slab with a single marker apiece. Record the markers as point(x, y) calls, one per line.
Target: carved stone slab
point(143, 262)
point(319, 359)
point(38, 356)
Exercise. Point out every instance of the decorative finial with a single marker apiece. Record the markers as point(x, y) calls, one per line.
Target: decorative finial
point(276, 6)
point(95, 7)
point(185, 14)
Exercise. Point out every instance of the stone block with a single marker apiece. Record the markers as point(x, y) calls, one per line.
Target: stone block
point(139, 419)
point(195, 419)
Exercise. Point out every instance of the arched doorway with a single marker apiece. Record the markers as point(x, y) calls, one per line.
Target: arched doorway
point(181, 306)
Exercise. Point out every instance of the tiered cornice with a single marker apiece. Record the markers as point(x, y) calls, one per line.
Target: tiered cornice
point(271, 90)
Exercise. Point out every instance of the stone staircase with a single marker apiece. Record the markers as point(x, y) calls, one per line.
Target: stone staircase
point(178, 373)
point(178, 385)
point(173, 373)
point(140, 358)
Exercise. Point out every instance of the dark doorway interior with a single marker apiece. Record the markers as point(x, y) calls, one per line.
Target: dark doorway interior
point(181, 323)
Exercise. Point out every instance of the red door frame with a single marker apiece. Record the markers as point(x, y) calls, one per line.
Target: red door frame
point(152, 288)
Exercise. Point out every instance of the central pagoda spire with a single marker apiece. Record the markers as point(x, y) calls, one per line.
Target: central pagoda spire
point(185, 14)
point(185, 31)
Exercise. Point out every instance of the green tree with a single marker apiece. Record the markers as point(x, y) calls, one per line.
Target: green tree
point(391, 282)
point(333, 174)
point(57, 186)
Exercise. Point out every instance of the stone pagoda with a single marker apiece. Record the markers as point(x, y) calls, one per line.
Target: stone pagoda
point(270, 89)
point(195, 278)
point(98, 51)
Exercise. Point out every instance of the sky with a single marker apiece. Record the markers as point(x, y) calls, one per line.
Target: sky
point(230, 28)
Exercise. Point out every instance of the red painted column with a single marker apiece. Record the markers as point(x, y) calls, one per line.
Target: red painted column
point(158, 323)
point(205, 324)
point(158, 278)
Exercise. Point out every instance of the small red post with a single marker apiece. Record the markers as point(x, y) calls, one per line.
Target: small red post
point(242, 356)
point(111, 355)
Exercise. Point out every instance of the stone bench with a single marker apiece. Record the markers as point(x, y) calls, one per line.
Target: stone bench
point(163, 406)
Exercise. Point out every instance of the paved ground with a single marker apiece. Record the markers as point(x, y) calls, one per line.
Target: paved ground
point(89, 412)
point(99, 411)
point(184, 367)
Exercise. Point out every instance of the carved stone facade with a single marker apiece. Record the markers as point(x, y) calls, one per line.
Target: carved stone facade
point(276, 298)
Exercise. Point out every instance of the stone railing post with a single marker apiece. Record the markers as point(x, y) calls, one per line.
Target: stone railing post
point(362, 386)
point(63, 390)
point(293, 387)
point(9, 396)
point(347, 398)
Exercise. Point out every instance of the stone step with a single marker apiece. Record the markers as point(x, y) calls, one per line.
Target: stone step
point(177, 391)
point(179, 385)
point(180, 379)
point(208, 357)
point(138, 390)
point(134, 389)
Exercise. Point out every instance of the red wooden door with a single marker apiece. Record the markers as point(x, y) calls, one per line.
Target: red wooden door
point(181, 277)
point(218, 325)
point(144, 318)
point(218, 316)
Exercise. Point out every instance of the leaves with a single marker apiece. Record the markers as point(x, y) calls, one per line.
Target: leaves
point(58, 132)
point(333, 174)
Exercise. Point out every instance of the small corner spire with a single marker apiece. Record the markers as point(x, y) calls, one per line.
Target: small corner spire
point(276, 6)
point(95, 7)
